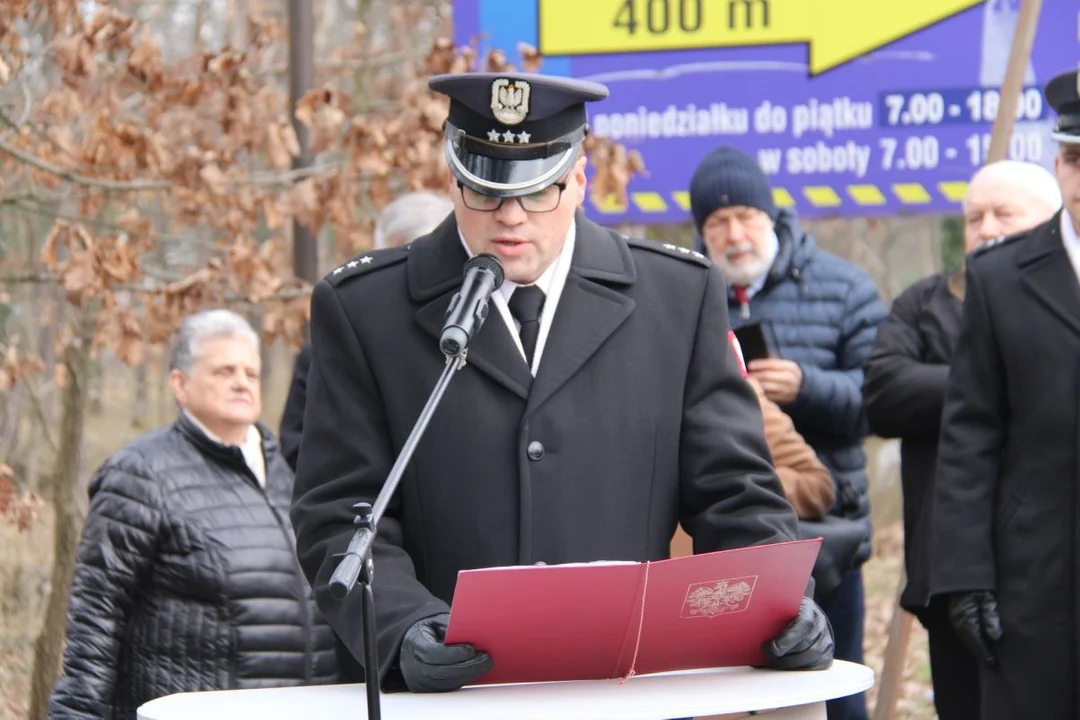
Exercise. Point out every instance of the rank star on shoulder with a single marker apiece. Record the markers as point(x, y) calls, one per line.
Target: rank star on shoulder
point(366, 260)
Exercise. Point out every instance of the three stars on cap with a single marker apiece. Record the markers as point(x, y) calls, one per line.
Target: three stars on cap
point(508, 137)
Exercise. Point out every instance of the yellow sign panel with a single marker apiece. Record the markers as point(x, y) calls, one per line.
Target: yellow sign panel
point(835, 30)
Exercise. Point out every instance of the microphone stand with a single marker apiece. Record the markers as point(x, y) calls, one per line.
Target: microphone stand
point(357, 565)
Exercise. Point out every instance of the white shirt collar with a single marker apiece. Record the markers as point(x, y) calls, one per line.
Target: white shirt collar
point(251, 447)
point(551, 281)
point(1071, 241)
point(559, 267)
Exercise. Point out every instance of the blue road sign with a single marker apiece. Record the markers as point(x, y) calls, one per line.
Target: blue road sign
point(855, 108)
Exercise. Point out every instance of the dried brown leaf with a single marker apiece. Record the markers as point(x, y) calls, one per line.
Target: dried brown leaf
point(288, 136)
point(214, 178)
point(60, 375)
point(145, 60)
point(276, 149)
point(7, 495)
point(271, 215)
point(48, 248)
point(531, 59)
point(79, 278)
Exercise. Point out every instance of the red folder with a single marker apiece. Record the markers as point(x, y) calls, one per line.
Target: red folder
point(593, 621)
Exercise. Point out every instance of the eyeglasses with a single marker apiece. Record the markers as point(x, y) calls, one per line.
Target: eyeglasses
point(541, 201)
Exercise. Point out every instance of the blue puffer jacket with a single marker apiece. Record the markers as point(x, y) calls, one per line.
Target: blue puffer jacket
point(825, 312)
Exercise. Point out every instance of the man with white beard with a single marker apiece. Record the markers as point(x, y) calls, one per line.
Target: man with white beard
point(820, 314)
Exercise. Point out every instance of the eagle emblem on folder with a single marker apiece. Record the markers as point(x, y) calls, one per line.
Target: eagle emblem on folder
point(510, 100)
point(719, 597)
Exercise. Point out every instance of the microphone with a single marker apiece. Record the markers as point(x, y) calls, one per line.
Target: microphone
point(469, 307)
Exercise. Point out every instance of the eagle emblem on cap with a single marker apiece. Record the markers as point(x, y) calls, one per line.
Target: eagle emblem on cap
point(510, 100)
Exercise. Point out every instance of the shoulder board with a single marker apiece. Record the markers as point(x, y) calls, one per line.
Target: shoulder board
point(670, 250)
point(998, 242)
point(366, 263)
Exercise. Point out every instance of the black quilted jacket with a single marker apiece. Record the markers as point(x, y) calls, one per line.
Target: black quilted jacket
point(186, 579)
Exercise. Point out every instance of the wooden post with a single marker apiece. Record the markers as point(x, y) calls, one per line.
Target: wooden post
point(892, 669)
point(1013, 83)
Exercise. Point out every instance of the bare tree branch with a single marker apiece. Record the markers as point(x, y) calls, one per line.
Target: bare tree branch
point(284, 177)
point(157, 285)
point(378, 61)
point(30, 202)
point(28, 104)
point(39, 412)
point(27, 277)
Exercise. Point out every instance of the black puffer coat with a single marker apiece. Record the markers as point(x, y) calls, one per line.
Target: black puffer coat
point(186, 579)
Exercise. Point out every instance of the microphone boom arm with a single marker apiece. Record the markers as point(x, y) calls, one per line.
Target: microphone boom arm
point(357, 566)
point(465, 315)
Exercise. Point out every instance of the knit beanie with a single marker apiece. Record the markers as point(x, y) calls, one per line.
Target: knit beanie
point(727, 177)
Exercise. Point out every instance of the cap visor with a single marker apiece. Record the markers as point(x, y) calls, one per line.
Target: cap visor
point(1066, 138)
point(506, 178)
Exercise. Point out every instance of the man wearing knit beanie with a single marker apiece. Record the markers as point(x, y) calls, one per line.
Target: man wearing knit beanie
point(821, 315)
point(730, 194)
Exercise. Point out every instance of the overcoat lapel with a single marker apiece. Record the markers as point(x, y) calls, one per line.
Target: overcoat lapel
point(435, 273)
point(589, 310)
point(1047, 273)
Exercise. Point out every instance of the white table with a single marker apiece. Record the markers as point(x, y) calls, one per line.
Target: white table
point(791, 695)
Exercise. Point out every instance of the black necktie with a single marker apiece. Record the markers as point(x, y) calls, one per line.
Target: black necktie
point(526, 304)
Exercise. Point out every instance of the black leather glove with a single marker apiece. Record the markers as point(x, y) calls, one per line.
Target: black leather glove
point(975, 617)
point(805, 644)
point(428, 665)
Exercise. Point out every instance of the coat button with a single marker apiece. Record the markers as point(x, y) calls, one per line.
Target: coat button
point(535, 450)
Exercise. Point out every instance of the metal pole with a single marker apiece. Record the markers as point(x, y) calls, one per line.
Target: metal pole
point(301, 78)
point(1019, 54)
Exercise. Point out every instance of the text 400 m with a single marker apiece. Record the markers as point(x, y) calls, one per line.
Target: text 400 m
point(657, 17)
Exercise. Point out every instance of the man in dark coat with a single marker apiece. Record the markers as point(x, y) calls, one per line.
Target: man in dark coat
point(406, 218)
point(600, 404)
point(1006, 528)
point(904, 390)
point(186, 577)
point(821, 312)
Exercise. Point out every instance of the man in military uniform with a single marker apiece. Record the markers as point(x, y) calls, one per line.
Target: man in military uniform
point(600, 404)
point(1006, 501)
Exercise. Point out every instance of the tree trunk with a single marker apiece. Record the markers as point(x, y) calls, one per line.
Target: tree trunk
point(140, 410)
point(95, 382)
point(61, 491)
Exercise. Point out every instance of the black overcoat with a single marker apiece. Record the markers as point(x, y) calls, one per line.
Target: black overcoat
point(1006, 491)
point(638, 418)
point(904, 391)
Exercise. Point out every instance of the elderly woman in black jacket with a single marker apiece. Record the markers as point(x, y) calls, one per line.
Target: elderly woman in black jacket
point(186, 576)
point(904, 392)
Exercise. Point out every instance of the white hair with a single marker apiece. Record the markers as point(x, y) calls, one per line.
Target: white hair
point(1025, 176)
point(410, 216)
point(204, 325)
